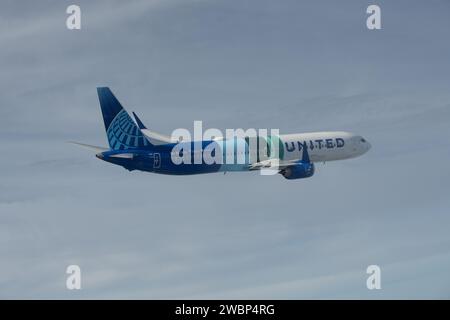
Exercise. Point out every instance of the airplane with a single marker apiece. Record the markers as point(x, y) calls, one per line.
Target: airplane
point(134, 147)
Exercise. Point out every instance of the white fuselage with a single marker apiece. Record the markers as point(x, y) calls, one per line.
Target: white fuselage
point(324, 146)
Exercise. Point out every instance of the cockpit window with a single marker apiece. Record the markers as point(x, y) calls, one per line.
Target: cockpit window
point(363, 140)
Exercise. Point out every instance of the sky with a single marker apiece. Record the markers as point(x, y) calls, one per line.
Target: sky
point(296, 66)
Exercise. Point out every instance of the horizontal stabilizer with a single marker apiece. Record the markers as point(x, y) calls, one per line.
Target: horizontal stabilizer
point(122, 155)
point(88, 146)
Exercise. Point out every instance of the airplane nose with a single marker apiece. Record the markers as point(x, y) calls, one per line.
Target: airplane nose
point(368, 146)
point(99, 155)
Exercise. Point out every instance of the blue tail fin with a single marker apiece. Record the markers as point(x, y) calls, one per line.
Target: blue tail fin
point(121, 130)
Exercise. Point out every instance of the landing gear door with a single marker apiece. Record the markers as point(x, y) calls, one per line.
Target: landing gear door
point(156, 160)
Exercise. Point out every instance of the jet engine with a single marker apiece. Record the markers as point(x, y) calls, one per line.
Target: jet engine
point(298, 171)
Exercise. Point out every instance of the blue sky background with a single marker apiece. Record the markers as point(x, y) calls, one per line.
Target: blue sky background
point(294, 65)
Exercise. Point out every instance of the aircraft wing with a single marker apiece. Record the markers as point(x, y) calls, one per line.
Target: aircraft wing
point(273, 164)
point(277, 164)
point(154, 137)
point(157, 138)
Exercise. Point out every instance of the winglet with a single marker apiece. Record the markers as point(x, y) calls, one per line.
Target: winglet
point(139, 122)
point(305, 156)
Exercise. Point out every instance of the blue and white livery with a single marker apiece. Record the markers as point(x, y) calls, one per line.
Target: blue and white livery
point(134, 147)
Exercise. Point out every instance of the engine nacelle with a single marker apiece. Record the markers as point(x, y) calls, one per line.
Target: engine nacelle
point(299, 171)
